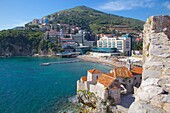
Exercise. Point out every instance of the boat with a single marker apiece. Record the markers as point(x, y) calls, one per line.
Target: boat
point(45, 64)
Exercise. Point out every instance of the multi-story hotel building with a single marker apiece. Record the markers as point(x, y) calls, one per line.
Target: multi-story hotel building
point(123, 43)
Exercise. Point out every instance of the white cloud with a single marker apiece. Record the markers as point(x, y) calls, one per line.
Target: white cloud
point(118, 5)
point(167, 5)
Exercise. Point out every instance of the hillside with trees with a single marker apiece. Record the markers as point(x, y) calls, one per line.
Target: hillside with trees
point(23, 43)
point(30, 40)
point(93, 20)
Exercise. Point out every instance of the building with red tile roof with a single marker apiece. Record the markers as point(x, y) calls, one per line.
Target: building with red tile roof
point(103, 85)
point(106, 80)
point(94, 71)
point(125, 77)
point(93, 75)
point(84, 78)
point(122, 72)
point(112, 84)
point(137, 70)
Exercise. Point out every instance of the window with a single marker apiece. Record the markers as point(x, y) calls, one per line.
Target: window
point(96, 77)
point(113, 44)
point(105, 44)
point(135, 78)
point(136, 84)
point(127, 44)
point(119, 43)
point(119, 47)
point(129, 81)
point(109, 44)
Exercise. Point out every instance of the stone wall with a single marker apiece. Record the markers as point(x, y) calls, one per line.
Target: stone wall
point(115, 93)
point(99, 91)
point(153, 96)
point(81, 85)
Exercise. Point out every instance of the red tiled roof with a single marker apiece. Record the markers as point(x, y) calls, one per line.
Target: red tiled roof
point(84, 78)
point(111, 75)
point(137, 70)
point(105, 80)
point(122, 72)
point(94, 71)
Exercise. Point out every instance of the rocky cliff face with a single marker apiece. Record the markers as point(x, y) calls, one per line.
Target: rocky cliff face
point(92, 104)
point(153, 96)
point(16, 50)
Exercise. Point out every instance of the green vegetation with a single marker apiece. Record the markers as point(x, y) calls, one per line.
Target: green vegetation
point(147, 55)
point(17, 42)
point(88, 53)
point(137, 45)
point(148, 46)
point(90, 19)
point(31, 41)
point(11, 40)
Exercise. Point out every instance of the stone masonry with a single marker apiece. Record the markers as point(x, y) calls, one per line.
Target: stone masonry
point(153, 96)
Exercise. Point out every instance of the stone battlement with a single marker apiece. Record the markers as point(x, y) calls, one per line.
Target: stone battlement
point(154, 92)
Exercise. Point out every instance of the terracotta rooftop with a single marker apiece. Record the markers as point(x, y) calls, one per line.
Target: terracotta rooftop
point(111, 75)
point(137, 70)
point(84, 78)
point(105, 80)
point(122, 72)
point(94, 71)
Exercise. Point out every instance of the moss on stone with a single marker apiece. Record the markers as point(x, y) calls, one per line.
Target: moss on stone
point(148, 46)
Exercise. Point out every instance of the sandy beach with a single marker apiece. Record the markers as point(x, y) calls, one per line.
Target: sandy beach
point(106, 61)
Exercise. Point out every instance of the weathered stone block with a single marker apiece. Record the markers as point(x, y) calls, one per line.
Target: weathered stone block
point(153, 65)
point(150, 81)
point(166, 107)
point(144, 96)
point(153, 90)
point(151, 74)
point(142, 107)
point(159, 100)
point(153, 96)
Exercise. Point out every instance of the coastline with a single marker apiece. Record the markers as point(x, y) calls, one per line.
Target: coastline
point(26, 73)
point(86, 58)
point(107, 62)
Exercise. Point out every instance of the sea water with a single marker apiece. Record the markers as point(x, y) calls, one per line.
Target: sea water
point(27, 87)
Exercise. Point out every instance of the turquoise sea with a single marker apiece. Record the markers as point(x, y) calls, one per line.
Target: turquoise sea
point(27, 87)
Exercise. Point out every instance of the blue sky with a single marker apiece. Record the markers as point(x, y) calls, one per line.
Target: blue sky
point(18, 12)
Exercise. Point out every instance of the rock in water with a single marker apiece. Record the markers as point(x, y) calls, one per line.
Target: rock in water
point(153, 96)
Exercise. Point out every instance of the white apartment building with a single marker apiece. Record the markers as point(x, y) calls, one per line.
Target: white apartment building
point(123, 43)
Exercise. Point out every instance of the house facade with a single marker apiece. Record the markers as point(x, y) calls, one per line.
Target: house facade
point(123, 44)
point(137, 72)
point(125, 77)
point(68, 42)
point(119, 81)
point(102, 85)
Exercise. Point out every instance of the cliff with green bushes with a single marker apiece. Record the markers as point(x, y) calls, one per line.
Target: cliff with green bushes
point(24, 43)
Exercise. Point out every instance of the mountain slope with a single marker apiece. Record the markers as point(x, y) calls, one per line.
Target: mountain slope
point(91, 19)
